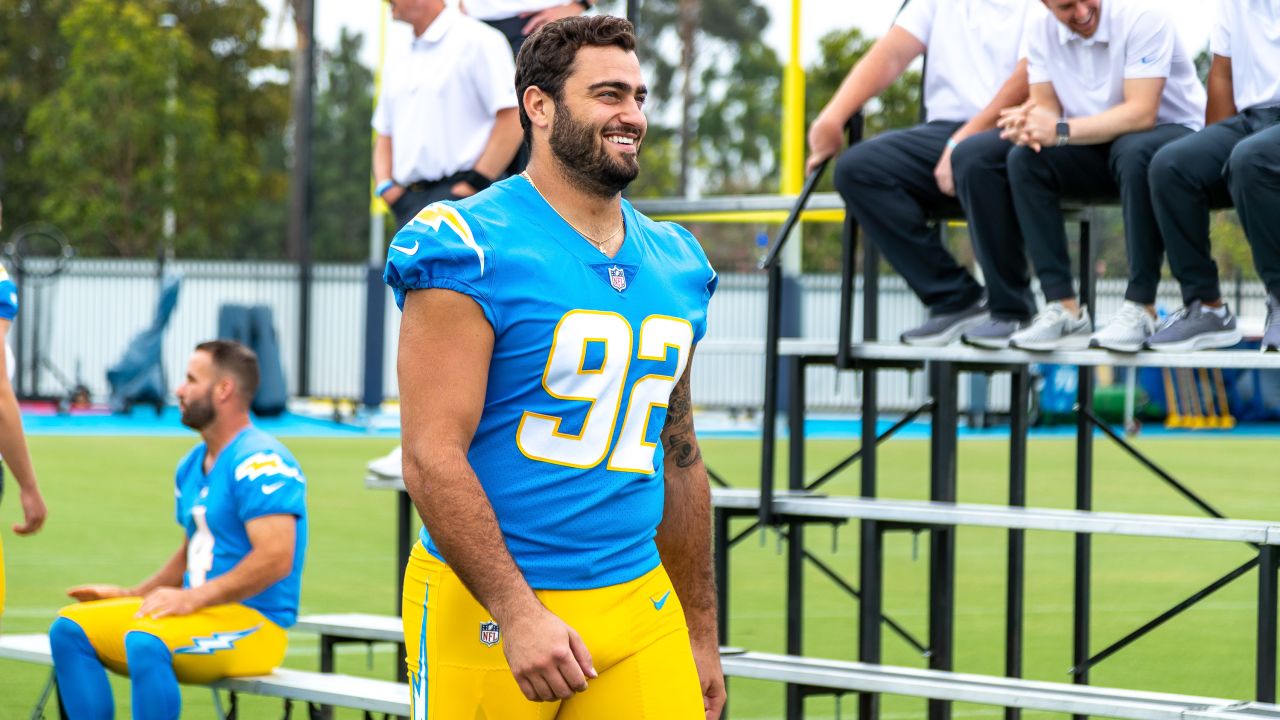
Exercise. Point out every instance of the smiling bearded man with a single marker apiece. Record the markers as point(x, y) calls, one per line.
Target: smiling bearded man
point(564, 569)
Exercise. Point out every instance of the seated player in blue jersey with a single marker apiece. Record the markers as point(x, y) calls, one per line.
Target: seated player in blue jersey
point(565, 568)
point(220, 605)
point(13, 443)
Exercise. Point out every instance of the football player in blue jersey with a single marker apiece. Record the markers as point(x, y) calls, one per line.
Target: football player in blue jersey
point(564, 570)
point(13, 443)
point(220, 605)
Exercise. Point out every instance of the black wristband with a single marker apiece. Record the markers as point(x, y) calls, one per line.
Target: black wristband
point(586, 4)
point(476, 180)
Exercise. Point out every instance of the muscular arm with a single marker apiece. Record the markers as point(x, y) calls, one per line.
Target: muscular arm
point(1136, 113)
point(883, 63)
point(684, 539)
point(270, 560)
point(13, 447)
point(445, 347)
point(1222, 97)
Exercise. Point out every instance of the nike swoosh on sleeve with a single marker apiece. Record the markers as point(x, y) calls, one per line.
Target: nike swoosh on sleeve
point(410, 251)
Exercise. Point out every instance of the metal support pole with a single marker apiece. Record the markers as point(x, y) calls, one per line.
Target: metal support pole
point(769, 422)
point(848, 264)
point(1266, 662)
point(795, 532)
point(404, 543)
point(871, 539)
point(1084, 482)
point(942, 549)
point(1019, 394)
point(299, 239)
point(720, 555)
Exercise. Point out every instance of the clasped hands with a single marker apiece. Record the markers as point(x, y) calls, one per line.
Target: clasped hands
point(1029, 124)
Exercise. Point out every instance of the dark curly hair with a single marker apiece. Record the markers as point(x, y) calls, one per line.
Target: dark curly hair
point(547, 56)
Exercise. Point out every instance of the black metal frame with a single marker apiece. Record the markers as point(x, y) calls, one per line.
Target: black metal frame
point(943, 406)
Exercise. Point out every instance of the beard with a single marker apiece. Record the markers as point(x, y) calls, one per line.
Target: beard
point(586, 162)
point(198, 413)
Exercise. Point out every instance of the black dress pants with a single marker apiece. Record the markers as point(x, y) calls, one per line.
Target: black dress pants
point(1233, 161)
point(887, 184)
point(982, 185)
point(1090, 173)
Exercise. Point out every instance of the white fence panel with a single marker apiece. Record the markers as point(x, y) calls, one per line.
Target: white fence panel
point(82, 320)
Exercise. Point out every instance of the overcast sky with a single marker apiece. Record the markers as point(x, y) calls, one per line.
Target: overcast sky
point(1194, 19)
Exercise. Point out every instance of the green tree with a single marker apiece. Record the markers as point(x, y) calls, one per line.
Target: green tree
point(343, 151)
point(32, 59)
point(84, 121)
point(720, 69)
point(102, 133)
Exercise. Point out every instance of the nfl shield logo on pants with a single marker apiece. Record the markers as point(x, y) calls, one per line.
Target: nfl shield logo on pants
point(617, 278)
point(489, 633)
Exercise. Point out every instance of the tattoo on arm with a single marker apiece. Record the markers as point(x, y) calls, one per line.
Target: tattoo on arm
point(678, 438)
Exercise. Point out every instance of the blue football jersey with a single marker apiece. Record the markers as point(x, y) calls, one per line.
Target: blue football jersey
point(586, 352)
point(253, 476)
point(8, 296)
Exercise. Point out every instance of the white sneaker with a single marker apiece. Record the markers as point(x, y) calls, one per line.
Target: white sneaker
point(1128, 330)
point(387, 466)
point(1054, 328)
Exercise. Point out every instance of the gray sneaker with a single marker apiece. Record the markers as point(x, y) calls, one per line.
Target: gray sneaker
point(993, 334)
point(1196, 327)
point(1054, 328)
point(944, 328)
point(1271, 335)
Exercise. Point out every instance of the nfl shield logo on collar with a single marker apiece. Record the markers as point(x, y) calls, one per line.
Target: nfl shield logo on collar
point(617, 278)
point(490, 634)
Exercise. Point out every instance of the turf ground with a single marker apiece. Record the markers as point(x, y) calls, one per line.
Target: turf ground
point(111, 521)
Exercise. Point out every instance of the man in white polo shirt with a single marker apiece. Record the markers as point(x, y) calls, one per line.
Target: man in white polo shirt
point(446, 121)
point(896, 181)
point(1236, 158)
point(1110, 85)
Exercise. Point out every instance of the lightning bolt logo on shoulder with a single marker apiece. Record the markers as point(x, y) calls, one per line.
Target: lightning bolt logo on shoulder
point(433, 216)
point(266, 464)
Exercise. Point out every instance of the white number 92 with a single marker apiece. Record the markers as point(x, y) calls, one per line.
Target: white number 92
point(567, 377)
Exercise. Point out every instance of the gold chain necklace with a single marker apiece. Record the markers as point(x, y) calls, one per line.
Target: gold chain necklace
point(598, 243)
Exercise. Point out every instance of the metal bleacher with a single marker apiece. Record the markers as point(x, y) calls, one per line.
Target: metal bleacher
point(790, 511)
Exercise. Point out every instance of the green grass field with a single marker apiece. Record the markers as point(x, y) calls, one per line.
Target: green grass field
point(112, 508)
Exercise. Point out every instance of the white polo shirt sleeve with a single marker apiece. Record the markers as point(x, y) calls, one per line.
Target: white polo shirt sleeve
point(1039, 33)
point(1220, 36)
point(917, 19)
point(493, 72)
point(1149, 45)
point(382, 112)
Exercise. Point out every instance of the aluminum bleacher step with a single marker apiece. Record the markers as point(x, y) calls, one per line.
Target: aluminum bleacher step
point(999, 516)
point(988, 690)
point(379, 696)
point(965, 355)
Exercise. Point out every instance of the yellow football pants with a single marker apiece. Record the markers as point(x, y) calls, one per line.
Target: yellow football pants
point(635, 631)
point(216, 642)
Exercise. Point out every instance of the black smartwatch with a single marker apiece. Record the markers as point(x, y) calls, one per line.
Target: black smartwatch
point(476, 180)
point(1064, 132)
